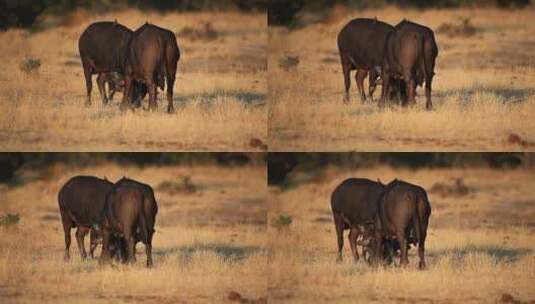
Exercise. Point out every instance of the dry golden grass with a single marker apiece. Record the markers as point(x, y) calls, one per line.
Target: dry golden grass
point(480, 247)
point(482, 93)
point(219, 97)
point(207, 243)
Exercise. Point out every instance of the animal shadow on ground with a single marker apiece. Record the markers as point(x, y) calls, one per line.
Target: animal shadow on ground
point(506, 95)
point(499, 254)
point(228, 253)
point(247, 98)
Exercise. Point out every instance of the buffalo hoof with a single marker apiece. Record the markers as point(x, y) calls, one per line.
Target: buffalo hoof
point(170, 109)
point(123, 106)
point(421, 265)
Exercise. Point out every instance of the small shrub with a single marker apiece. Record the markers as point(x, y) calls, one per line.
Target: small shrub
point(283, 221)
point(186, 185)
point(30, 65)
point(9, 220)
point(206, 32)
point(289, 63)
point(463, 27)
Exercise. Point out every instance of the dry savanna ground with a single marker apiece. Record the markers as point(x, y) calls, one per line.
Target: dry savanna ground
point(483, 92)
point(480, 245)
point(209, 244)
point(220, 91)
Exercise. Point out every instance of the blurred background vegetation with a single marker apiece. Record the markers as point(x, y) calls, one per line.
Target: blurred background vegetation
point(10, 163)
point(286, 12)
point(281, 164)
point(25, 13)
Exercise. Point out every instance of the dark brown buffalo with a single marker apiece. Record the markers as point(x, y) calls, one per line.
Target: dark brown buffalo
point(410, 55)
point(354, 207)
point(81, 203)
point(361, 46)
point(103, 49)
point(403, 214)
point(130, 215)
point(153, 51)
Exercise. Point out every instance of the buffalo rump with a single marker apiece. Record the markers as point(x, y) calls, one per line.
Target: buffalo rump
point(404, 212)
point(130, 214)
point(410, 54)
point(152, 52)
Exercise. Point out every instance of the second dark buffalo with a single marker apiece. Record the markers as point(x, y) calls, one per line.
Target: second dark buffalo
point(403, 210)
point(153, 51)
point(354, 207)
point(81, 203)
point(410, 54)
point(129, 215)
point(361, 46)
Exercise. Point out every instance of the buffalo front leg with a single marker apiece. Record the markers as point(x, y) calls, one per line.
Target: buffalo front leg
point(101, 83)
point(80, 235)
point(128, 90)
point(105, 255)
point(359, 78)
point(385, 90)
point(93, 243)
point(353, 236)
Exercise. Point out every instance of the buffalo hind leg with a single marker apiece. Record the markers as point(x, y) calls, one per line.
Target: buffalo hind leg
point(346, 69)
point(148, 251)
point(130, 244)
point(68, 224)
point(428, 104)
point(170, 84)
point(80, 235)
point(339, 225)
point(88, 84)
point(359, 78)
point(404, 260)
point(153, 106)
point(353, 236)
